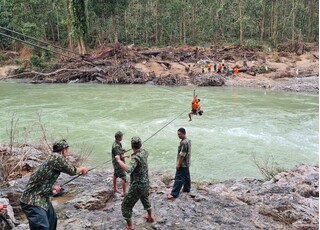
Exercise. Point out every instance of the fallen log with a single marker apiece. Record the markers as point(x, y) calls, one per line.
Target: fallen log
point(167, 64)
point(252, 73)
point(153, 52)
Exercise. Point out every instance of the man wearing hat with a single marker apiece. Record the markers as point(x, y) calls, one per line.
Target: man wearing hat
point(139, 182)
point(35, 200)
point(117, 150)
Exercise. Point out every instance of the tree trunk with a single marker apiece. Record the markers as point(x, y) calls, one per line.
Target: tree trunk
point(156, 23)
point(180, 31)
point(79, 23)
point(275, 23)
point(310, 17)
point(115, 29)
point(241, 23)
point(271, 18)
point(70, 39)
point(193, 25)
point(263, 20)
point(293, 22)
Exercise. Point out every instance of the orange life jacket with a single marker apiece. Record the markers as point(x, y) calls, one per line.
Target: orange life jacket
point(236, 70)
point(195, 104)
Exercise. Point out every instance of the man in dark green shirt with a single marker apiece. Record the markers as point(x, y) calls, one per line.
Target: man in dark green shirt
point(118, 171)
point(35, 200)
point(182, 177)
point(139, 182)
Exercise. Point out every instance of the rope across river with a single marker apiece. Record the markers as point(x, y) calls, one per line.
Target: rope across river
point(130, 149)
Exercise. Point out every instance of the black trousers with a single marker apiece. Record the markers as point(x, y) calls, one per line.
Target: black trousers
point(182, 178)
point(40, 219)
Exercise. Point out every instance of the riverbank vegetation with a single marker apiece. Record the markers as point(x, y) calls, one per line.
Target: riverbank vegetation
point(117, 42)
point(93, 24)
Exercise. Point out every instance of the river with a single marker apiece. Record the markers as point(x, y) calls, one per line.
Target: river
point(237, 124)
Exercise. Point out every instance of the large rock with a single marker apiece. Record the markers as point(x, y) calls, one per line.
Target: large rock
point(288, 201)
point(92, 199)
point(7, 220)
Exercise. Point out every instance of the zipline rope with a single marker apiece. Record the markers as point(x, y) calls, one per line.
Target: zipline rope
point(53, 51)
point(44, 42)
point(129, 149)
point(29, 43)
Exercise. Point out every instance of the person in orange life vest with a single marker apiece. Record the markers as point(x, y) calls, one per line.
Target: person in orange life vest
point(209, 66)
point(219, 68)
point(195, 107)
point(236, 70)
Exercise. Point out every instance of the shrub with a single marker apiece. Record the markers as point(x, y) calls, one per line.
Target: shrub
point(36, 61)
point(267, 167)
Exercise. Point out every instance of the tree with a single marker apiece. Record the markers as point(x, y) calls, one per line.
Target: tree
point(116, 9)
point(240, 22)
point(160, 22)
point(263, 23)
point(79, 26)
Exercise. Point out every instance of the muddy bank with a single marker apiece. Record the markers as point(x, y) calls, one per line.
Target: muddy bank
point(179, 66)
point(290, 200)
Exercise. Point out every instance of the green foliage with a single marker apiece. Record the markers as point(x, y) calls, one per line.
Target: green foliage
point(2, 57)
point(252, 43)
point(36, 61)
point(78, 19)
point(160, 22)
point(261, 69)
point(46, 55)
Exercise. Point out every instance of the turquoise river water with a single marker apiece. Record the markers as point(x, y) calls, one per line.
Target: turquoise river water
point(236, 124)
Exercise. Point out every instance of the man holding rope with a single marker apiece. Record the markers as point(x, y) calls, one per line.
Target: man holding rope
point(35, 200)
point(139, 182)
point(182, 177)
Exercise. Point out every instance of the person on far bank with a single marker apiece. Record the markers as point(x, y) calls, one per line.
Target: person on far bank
point(182, 177)
point(35, 199)
point(118, 171)
point(139, 182)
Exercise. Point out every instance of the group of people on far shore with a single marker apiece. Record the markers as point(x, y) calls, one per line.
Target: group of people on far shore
point(219, 68)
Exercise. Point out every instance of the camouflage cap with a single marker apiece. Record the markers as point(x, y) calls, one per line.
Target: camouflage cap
point(135, 140)
point(118, 134)
point(60, 145)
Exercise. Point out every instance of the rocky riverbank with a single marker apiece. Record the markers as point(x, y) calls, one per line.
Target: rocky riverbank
point(288, 201)
point(298, 84)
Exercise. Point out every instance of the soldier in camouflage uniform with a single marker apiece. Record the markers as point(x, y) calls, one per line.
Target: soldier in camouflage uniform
point(182, 177)
point(139, 182)
point(35, 200)
point(118, 171)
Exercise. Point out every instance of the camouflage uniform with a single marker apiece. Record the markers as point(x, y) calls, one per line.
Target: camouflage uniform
point(35, 200)
point(182, 177)
point(118, 171)
point(139, 184)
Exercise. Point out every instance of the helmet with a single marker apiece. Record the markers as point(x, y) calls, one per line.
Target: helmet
point(118, 134)
point(59, 146)
point(135, 140)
